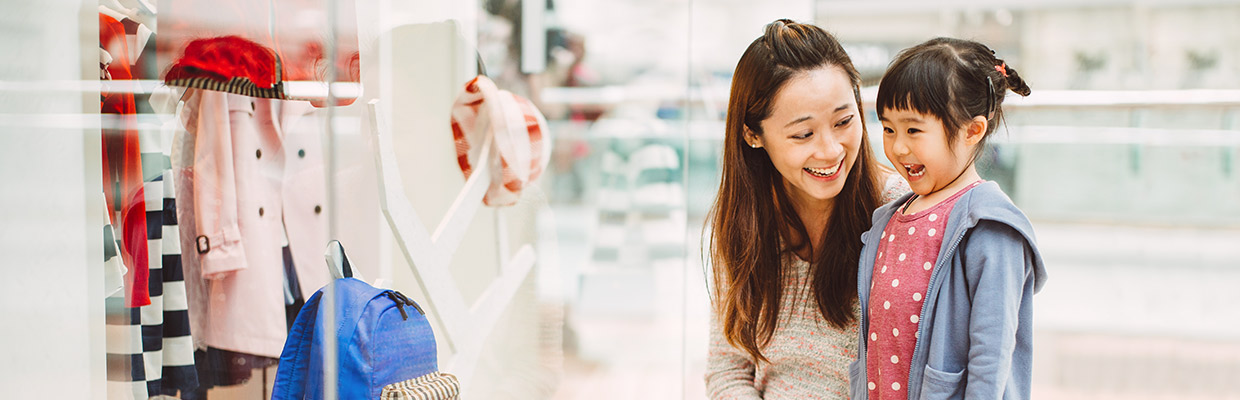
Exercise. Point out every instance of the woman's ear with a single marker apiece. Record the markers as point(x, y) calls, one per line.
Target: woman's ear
point(975, 130)
point(752, 138)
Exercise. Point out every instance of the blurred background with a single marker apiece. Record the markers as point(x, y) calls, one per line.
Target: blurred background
point(1125, 157)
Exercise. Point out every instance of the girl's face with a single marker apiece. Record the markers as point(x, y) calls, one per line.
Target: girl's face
point(917, 146)
point(812, 134)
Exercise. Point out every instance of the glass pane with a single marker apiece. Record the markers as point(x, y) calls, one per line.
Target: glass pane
point(545, 239)
point(614, 94)
point(216, 139)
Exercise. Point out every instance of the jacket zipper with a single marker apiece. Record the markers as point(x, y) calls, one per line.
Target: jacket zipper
point(922, 315)
point(864, 328)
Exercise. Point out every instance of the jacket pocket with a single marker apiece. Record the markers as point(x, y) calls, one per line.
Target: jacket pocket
point(937, 384)
point(856, 379)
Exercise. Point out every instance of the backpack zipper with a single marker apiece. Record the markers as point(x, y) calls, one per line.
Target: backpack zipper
point(401, 301)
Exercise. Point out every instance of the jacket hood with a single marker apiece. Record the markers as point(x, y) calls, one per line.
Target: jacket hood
point(984, 202)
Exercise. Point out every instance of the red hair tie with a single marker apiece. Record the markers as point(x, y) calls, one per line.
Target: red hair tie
point(1002, 68)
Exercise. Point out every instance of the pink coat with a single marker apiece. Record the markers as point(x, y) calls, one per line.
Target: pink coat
point(257, 169)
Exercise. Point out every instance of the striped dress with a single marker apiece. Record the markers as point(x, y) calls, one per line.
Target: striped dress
point(808, 358)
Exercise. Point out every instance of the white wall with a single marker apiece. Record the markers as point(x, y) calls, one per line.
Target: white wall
point(416, 58)
point(51, 302)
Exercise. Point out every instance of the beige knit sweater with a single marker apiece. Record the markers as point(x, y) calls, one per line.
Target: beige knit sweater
point(808, 358)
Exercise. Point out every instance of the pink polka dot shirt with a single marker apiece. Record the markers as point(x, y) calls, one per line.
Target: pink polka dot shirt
point(906, 256)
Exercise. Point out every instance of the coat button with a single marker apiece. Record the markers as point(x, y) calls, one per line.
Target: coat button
point(260, 211)
point(253, 107)
point(258, 153)
point(318, 209)
point(301, 153)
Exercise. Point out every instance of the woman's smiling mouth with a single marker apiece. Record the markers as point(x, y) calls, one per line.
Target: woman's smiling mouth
point(825, 172)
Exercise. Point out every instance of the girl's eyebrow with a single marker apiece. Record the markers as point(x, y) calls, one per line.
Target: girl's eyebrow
point(914, 120)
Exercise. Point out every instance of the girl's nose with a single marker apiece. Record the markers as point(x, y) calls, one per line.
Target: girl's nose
point(898, 145)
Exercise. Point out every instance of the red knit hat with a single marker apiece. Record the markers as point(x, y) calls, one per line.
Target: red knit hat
point(229, 64)
point(518, 130)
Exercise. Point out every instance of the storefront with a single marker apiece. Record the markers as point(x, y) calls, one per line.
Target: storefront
point(180, 179)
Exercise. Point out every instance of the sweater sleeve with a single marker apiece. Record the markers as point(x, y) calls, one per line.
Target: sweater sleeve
point(729, 371)
point(895, 187)
point(997, 281)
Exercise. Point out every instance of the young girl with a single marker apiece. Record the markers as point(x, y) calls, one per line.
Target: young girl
point(799, 184)
point(948, 272)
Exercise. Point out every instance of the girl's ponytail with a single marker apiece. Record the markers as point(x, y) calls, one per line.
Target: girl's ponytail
point(953, 79)
point(1011, 79)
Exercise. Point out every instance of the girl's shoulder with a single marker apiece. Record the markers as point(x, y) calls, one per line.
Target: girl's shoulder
point(894, 187)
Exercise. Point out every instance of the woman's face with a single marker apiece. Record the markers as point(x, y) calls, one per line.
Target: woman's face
point(813, 134)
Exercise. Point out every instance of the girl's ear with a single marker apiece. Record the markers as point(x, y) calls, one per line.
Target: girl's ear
point(975, 130)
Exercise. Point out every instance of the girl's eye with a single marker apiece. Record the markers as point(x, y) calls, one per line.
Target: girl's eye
point(844, 122)
point(888, 130)
point(803, 135)
point(913, 130)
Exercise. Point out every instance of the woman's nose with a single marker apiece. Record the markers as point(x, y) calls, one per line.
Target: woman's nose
point(828, 148)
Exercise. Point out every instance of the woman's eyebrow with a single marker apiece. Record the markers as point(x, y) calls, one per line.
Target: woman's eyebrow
point(799, 120)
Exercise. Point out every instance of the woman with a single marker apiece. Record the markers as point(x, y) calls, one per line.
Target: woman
point(799, 183)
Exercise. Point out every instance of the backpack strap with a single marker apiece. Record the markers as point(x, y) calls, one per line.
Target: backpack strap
point(295, 358)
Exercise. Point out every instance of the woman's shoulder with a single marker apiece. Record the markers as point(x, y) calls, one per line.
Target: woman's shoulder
point(894, 186)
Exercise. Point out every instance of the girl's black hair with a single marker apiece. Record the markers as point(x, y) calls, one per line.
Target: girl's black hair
point(952, 79)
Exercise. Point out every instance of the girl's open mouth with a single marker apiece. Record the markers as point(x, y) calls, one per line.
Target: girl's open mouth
point(915, 169)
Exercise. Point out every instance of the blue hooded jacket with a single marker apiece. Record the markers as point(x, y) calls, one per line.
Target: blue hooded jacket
point(975, 336)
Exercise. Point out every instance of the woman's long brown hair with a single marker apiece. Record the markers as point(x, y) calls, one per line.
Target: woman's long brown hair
point(752, 214)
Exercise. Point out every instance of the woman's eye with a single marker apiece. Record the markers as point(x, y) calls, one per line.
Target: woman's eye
point(803, 135)
point(844, 122)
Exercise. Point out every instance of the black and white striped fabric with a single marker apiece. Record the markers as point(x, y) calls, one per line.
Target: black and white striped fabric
point(126, 367)
point(432, 386)
point(238, 85)
point(149, 349)
point(176, 358)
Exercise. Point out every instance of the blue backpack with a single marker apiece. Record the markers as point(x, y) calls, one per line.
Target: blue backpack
point(385, 349)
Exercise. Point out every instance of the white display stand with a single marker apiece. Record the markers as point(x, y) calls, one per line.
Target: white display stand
point(466, 325)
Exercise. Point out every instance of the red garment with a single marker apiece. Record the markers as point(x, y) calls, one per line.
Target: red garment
point(906, 257)
point(122, 165)
point(288, 32)
point(225, 57)
point(484, 111)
